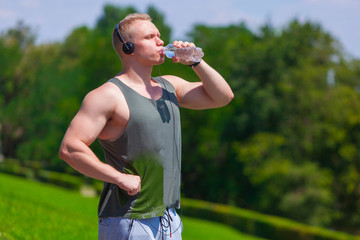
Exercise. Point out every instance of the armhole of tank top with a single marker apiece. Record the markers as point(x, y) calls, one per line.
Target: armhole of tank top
point(118, 83)
point(162, 81)
point(165, 84)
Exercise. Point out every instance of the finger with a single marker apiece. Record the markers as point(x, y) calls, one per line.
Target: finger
point(185, 44)
point(133, 192)
point(178, 44)
point(175, 59)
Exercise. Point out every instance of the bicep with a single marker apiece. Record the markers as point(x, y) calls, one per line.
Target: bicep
point(85, 128)
point(89, 121)
point(191, 95)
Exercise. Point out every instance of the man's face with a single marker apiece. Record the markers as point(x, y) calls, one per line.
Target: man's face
point(147, 41)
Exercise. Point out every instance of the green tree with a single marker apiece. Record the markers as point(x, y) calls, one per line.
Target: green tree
point(13, 44)
point(280, 83)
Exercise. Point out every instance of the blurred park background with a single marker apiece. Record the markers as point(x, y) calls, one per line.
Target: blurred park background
point(286, 146)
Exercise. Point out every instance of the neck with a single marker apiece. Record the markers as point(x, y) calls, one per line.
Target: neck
point(137, 75)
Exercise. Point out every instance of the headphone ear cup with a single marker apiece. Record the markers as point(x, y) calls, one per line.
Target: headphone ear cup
point(128, 48)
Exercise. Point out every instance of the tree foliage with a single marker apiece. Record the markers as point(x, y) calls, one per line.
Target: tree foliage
point(286, 145)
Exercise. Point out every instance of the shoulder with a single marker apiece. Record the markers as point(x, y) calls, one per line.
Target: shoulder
point(175, 81)
point(182, 86)
point(104, 92)
point(105, 97)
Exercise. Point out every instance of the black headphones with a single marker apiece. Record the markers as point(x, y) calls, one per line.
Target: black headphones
point(128, 47)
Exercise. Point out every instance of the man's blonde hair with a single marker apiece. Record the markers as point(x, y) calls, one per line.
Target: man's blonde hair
point(124, 27)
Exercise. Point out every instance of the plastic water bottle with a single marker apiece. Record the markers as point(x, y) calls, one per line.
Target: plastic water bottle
point(193, 54)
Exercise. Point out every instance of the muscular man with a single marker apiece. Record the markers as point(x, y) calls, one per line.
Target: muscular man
point(136, 118)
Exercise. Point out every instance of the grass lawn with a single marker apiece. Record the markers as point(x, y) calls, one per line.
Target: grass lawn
point(33, 210)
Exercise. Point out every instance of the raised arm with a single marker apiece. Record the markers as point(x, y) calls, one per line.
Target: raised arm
point(211, 92)
point(96, 109)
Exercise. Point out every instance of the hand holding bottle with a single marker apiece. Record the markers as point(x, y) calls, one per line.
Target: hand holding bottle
point(183, 52)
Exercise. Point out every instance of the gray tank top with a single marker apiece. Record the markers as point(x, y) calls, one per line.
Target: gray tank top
point(150, 147)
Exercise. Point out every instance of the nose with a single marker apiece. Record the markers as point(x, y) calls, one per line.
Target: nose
point(160, 42)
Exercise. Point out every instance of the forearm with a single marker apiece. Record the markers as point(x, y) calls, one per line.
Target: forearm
point(81, 158)
point(214, 84)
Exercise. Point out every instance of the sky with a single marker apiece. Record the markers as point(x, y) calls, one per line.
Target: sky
point(53, 20)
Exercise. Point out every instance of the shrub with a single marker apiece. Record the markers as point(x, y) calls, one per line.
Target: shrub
point(261, 225)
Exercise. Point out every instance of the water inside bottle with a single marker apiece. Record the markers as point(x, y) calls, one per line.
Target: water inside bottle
point(169, 51)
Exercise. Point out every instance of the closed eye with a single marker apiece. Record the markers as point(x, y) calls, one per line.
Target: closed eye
point(152, 36)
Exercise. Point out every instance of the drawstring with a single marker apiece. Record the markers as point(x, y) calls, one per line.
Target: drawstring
point(130, 227)
point(165, 222)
